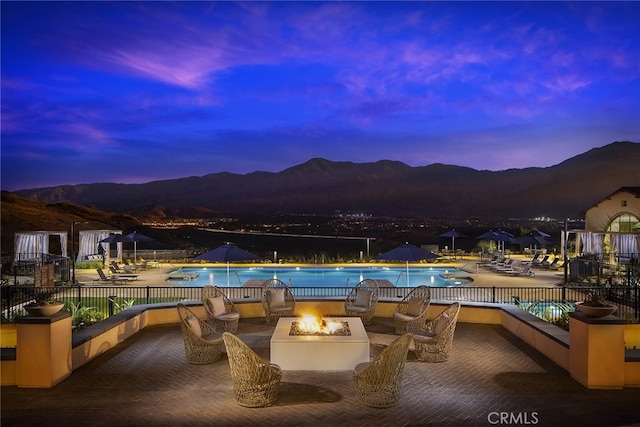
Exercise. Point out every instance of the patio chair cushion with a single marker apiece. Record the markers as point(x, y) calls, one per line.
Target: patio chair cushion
point(414, 308)
point(403, 317)
point(216, 306)
point(363, 298)
point(229, 316)
point(194, 325)
point(441, 325)
point(276, 298)
point(360, 366)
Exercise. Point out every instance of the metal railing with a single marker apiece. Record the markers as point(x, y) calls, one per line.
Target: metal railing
point(103, 298)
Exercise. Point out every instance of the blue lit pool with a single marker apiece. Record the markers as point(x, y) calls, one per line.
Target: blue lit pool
point(319, 276)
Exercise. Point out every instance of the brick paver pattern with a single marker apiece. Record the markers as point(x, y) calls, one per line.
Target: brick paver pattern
point(491, 378)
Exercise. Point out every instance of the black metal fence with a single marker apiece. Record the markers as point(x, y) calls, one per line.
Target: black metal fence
point(111, 299)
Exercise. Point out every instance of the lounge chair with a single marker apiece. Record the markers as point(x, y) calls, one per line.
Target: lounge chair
point(410, 314)
point(117, 270)
point(362, 300)
point(277, 300)
point(434, 342)
point(538, 263)
point(123, 275)
point(108, 279)
point(222, 314)
point(524, 271)
point(202, 344)
point(550, 265)
point(256, 382)
point(378, 382)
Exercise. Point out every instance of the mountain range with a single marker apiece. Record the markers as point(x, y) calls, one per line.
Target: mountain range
point(383, 188)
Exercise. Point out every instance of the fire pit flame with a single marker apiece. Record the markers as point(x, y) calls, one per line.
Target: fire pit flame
point(314, 325)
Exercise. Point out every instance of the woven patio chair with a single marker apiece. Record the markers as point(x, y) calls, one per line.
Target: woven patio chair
point(256, 382)
point(410, 314)
point(222, 314)
point(277, 300)
point(378, 383)
point(433, 343)
point(362, 300)
point(202, 344)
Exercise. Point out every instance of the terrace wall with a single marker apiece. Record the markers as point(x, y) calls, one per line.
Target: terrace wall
point(544, 337)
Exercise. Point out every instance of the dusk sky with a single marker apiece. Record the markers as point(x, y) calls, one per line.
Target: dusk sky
point(132, 92)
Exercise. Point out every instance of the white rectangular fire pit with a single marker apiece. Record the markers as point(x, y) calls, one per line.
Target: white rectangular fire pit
point(319, 352)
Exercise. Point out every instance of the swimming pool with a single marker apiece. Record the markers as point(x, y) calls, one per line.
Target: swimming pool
point(316, 276)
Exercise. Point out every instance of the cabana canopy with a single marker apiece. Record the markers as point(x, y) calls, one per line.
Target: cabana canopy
point(89, 241)
point(30, 245)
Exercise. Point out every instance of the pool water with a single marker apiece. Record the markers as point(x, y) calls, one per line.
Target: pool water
point(321, 276)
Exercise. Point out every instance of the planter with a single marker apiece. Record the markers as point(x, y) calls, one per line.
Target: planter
point(593, 311)
point(44, 310)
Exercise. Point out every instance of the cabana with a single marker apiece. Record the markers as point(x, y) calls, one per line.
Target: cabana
point(89, 243)
point(31, 245)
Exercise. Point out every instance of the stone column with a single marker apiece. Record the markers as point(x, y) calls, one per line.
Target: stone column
point(43, 350)
point(596, 351)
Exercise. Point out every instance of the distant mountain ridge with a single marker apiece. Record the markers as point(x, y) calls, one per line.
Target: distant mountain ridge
point(383, 188)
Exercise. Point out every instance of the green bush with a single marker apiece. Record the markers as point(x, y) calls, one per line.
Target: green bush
point(82, 317)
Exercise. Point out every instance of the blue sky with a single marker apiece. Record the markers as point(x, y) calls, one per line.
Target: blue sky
point(134, 92)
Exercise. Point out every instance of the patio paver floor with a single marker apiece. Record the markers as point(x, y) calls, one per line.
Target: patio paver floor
point(146, 381)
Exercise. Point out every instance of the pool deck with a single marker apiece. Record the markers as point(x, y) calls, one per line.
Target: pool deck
point(481, 277)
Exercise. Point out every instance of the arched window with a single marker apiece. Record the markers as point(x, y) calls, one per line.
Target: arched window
point(624, 223)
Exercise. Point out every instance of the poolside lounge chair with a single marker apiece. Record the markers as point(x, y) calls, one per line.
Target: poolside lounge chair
point(378, 382)
point(434, 342)
point(362, 300)
point(123, 275)
point(108, 279)
point(550, 265)
point(256, 382)
point(410, 314)
point(277, 300)
point(125, 270)
point(521, 271)
point(538, 263)
point(202, 344)
point(222, 314)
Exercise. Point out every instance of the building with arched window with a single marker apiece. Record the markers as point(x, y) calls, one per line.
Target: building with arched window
point(609, 245)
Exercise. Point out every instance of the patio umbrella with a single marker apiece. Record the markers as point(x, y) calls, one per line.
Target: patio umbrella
point(497, 236)
point(453, 234)
point(406, 253)
point(538, 233)
point(136, 237)
point(227, 253)
point(529, 239)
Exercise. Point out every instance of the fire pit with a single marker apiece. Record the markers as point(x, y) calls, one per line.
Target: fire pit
point(332, 344)
point(317, 326)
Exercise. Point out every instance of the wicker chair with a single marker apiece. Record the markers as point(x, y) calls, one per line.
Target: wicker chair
point(277, 300)
point(362, 300)
point(410, 314)
point(378, 383)
point(433, 343)
point(202, 344)
point(222, 314)
point(256, 382)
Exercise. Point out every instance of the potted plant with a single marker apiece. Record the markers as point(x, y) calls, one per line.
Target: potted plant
point(44, 304)
point(595, 305)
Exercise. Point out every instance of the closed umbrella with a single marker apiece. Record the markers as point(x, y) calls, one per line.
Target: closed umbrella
point(406, 253)
point(227, 253)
